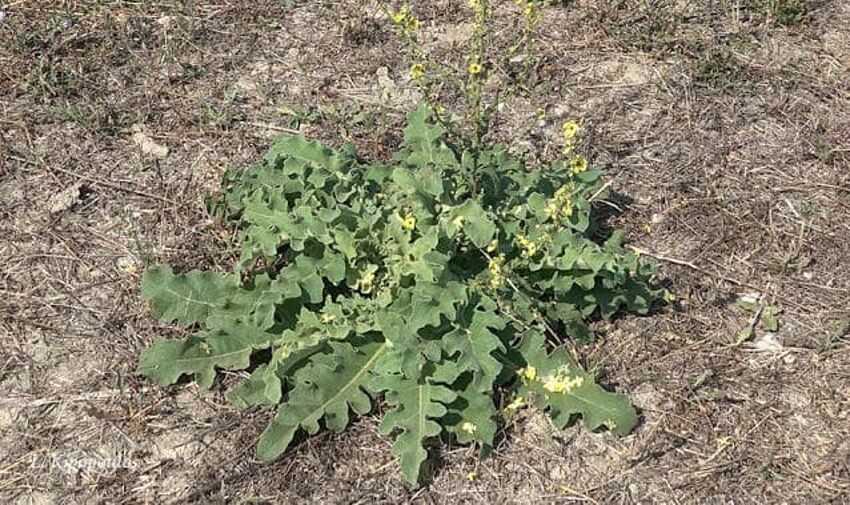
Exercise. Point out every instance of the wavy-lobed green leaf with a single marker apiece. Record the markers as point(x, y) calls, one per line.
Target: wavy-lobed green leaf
point(325, 389)
point(417, 406)
point(185, 298)
point(566, 391)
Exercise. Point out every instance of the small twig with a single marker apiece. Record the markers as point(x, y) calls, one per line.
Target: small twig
point(684, 263)
point(97, 181)
point(274, 127)
point(599, 191)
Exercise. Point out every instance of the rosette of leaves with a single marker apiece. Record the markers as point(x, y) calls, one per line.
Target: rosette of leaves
point(366, 281)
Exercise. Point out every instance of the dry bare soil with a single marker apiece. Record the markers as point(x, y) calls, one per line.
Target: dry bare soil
point(723, 125)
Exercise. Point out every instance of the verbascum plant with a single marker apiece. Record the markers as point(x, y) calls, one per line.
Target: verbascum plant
point(435, 282)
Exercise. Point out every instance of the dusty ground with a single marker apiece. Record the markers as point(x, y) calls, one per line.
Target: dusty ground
point(723, 125)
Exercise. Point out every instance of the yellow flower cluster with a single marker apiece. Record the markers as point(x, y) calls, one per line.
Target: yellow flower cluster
point(417, 71)
point(400, 16)
point(530, 247)
point(528, 374)
point(569, 130)
point(497, 276)
point(482, 8)
point(560, 206)
point(561, 383)
point(406, 22)
point(468, 427)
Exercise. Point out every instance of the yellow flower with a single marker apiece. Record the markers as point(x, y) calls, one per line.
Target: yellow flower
point(417, 70)
point(412, 24)
point(561, 383)
point(475, 68)
point(578, 165)
point(569, 129)
point(408, 223)
point(530, 247)
point(522, 240)
point(541, 113)
point(562, 193)
point(399, 16)
point(528, 374)
point(567, 210)
point(495, 268)
point(468, 427)
point(529, 9)
point(492, 246)
point(327, 318)
point(552, 209)
point(475, 4)
point(495, 265)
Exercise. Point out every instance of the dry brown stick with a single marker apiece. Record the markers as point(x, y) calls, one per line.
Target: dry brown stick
point(98, 181)
point(273, 127)
point(684, 263)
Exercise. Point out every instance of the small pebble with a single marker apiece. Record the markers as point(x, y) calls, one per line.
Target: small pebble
point(67, 24)
point(2, 16)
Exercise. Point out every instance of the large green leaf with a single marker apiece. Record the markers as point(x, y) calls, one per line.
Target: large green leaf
point(426, 146)
point(471, 346)
point(166, 360)
point(416, 407)
point(475, 417)
point(186, 298)
point(563, 388)
point(330, 384)
point(475, 222)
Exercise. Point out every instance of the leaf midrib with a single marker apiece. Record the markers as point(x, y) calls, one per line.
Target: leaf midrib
point(365, 368)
